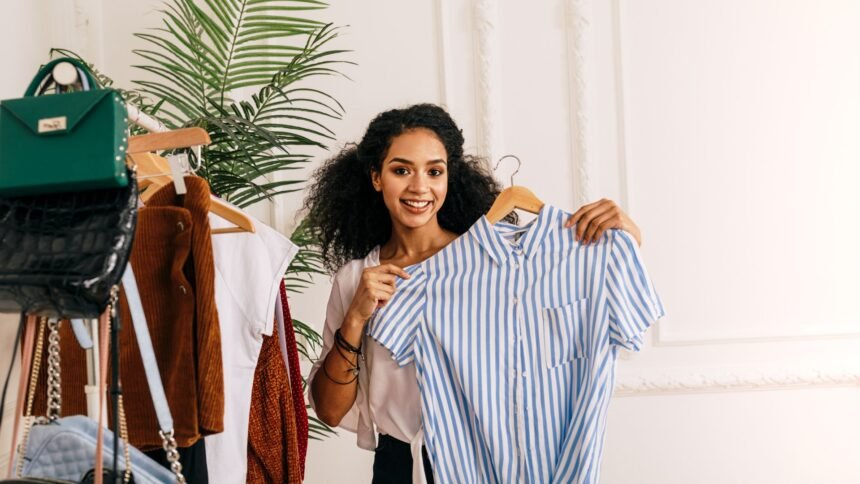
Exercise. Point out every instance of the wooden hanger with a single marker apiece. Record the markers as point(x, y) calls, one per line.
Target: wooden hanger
point(513, 197)
point(153, 172)
point(168, 140)
point(231, 214)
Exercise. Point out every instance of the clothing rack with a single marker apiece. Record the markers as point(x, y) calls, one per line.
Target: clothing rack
point(144, 120)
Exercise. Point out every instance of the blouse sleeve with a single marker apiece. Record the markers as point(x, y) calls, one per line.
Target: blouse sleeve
point(395, 325)
point(633, 301)
point(335, 311)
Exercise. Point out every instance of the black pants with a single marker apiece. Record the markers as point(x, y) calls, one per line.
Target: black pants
point(393, 462)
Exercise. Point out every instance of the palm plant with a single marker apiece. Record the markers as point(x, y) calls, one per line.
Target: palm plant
point(241, 69)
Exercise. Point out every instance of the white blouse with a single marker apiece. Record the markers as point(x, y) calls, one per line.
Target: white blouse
point(388, 401)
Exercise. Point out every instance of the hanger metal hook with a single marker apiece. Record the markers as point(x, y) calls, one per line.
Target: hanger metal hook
point(519, 165)
point(198, 158)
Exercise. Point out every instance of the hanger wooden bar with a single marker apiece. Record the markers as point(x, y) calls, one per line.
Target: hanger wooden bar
point(168, 140)
point(231, 214)
point(153, 172)
point(515, 197)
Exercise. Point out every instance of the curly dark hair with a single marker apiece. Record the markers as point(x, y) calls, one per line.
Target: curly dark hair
point(350, 217)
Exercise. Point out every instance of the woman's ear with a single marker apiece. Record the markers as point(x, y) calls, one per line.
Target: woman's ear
point(375, 179)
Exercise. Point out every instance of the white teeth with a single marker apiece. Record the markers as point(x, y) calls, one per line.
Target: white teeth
point(416, 204)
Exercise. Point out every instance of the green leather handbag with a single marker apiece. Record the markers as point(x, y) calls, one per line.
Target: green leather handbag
point(62, 142)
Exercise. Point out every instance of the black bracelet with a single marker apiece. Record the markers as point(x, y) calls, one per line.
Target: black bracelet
point(354, 366)
point(343, 343)
point(325, 372)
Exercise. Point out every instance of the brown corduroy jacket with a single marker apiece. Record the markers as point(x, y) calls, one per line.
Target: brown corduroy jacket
point(174, 268)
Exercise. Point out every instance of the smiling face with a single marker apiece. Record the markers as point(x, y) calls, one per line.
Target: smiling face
point(413, 178)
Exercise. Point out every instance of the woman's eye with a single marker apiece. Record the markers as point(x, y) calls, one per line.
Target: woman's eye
point(400, 171)
point(436, 172)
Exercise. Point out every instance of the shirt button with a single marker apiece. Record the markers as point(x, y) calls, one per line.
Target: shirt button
point(516, 300)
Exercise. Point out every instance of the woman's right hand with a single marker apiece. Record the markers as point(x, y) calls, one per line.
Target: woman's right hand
point(375, 288)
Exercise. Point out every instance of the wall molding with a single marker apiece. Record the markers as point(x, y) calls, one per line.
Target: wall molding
point(661, 333)
point(443, 47)
point(579, 33)
point(488, 80)
point(620, 108)
point(778, 379)
point(662, 338)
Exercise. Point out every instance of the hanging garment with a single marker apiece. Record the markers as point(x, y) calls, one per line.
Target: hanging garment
point(249, 268)
point(290, 352)
point(514, 332)
point(273, 445)
point(172, 261)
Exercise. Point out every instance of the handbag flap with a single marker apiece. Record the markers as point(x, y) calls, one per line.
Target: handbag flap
point(55, 113)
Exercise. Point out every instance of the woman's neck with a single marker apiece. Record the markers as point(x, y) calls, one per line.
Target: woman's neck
point(409, 246)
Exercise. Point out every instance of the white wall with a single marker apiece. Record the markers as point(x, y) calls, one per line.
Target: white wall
point(726, 129)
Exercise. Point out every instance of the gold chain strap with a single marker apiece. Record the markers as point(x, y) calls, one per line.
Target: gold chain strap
point(55, 397)
point(123, 432)
point(31, 395)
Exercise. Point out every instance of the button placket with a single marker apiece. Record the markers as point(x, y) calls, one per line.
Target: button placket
point(519, 379)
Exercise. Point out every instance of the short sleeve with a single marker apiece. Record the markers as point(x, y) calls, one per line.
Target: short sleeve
point(395, 325)
point(633, 302)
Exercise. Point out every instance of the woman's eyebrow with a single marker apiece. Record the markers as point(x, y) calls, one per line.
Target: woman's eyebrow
point(410, 162)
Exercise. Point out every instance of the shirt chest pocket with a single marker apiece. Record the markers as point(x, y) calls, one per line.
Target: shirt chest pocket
point(562, 334)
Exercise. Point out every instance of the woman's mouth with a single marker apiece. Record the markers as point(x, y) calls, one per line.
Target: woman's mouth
point(417, 206)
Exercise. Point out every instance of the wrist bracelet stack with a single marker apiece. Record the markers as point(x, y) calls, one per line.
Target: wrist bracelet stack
point(342, 345)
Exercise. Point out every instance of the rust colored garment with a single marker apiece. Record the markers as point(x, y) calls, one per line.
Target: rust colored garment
point(273, 449)
point(175, 273)
point(296, 383)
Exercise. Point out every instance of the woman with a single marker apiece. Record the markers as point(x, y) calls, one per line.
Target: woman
point(395, 199)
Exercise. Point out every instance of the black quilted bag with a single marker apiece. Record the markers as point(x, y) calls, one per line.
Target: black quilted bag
point(60, 254)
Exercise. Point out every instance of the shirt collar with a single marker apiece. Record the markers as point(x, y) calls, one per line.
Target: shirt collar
point(499, 248)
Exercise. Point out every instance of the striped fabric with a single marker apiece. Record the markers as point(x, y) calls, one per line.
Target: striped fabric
point(514, 333)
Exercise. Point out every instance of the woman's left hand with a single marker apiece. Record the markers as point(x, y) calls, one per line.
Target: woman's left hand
point(596, 218)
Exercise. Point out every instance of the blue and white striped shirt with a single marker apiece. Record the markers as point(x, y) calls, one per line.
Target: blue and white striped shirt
point(514, 333)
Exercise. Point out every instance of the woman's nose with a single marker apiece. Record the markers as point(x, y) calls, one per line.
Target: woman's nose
point(418, 184)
